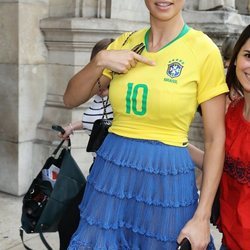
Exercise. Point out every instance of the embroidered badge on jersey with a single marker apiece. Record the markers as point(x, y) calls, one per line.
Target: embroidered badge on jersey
point(174, 70)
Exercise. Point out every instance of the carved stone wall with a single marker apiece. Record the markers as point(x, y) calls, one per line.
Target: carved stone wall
point(23, 82)
point(238, 6)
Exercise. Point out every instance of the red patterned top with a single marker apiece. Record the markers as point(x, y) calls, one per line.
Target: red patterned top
point(235, 182)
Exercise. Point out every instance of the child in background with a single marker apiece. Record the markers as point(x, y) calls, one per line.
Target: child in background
point(227, 49)
point(69, 224)
point(227, 52)
point(95, 110)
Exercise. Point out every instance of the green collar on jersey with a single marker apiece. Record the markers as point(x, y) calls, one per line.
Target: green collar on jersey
point(184, 30)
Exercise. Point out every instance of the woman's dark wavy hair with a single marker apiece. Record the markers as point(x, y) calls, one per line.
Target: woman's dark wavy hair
point(231, 78)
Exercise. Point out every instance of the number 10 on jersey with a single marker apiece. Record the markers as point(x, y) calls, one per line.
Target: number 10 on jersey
point(136, 99)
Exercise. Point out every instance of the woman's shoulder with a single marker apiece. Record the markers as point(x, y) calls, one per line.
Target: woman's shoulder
point(201, 45)
point(234, 112)
point(199, 37)
point(235, 105)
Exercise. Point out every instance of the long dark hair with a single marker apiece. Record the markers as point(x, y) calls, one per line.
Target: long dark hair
point(231, 78)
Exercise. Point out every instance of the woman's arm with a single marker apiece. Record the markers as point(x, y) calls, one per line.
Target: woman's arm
point(83, 85)
point(198, 228)
point(70, 128)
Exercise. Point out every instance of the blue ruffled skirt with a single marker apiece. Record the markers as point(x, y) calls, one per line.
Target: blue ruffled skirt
point(139, 195)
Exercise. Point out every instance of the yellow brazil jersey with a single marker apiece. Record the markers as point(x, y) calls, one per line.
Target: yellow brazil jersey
point(159, 102)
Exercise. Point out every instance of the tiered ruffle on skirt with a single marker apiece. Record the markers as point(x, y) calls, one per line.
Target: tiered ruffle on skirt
point(139, 195)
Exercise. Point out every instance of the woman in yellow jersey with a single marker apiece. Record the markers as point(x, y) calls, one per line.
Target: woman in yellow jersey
point(141, 192)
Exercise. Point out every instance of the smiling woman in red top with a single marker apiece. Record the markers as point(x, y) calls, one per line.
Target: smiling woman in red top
point(235, 183)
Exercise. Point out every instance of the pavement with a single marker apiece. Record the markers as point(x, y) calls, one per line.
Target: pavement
point(10, 214)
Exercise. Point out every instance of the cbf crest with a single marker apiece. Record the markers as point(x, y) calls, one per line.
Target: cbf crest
point(174, 68)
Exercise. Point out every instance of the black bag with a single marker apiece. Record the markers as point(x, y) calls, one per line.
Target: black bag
point(98, 134)
point(45, 205)
point(215, 213)
point(184, 245)
point(100, 127)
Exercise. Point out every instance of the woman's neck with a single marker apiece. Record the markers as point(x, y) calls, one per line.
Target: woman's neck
point(163, 32)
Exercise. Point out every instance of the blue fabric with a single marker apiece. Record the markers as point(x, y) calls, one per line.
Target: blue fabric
point(139, 195)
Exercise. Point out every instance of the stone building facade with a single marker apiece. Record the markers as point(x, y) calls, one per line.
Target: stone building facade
point(43, 43)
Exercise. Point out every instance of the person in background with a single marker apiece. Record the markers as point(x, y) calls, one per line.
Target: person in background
point(227, 49)
point(95, 110)
point(141, 192)
point(234, 221)
point(69, 224)
point(226, 52)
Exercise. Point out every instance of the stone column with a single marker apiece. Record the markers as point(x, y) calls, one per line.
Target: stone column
point(65, 8)
point(23, 87)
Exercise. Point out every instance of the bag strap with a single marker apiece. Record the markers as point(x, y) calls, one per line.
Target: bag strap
point(46, 244)
point(60, 145)
point(130, 34)
point(103, 102)
point(62, 131)
point(21, 236)
point(44, 240)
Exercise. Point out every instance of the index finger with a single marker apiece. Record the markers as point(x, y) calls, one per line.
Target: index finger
point(144, 60)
